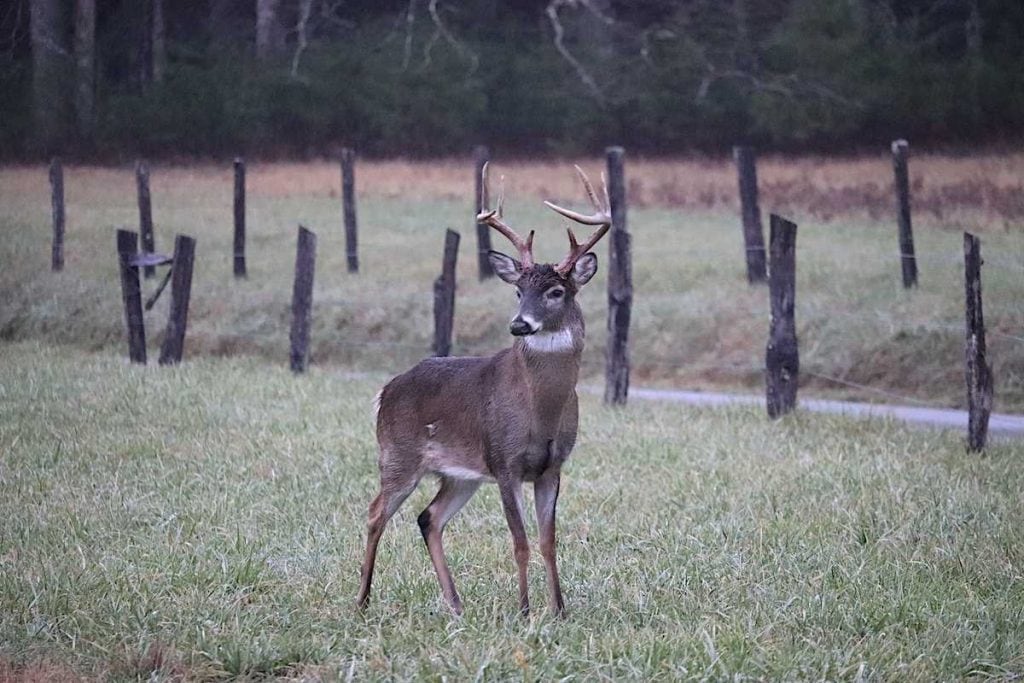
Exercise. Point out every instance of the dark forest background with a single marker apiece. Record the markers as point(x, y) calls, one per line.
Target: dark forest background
point(105, 79)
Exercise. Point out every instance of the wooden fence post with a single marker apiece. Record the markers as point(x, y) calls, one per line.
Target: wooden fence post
point(978, 371)
point(131, 295)
point(444, 296)
point(620, 284)
point(239, 242)
point(782, 357)
point(908, 262)
point(481, 156)
point(753, 233)
point(57, 202)
point(348, 195)
point(181, 291)
point(302, 299)
point(145, 213)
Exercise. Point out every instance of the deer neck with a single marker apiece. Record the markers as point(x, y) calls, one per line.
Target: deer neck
point(550, 360)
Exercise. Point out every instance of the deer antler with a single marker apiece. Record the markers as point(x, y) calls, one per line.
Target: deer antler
point(602, 217)
point(492, 217)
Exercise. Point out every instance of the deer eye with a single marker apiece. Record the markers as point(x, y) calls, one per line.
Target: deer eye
point(519, 295)
point(556, 293)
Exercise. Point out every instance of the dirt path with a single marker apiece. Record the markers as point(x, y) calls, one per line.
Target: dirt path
point(1001, 425)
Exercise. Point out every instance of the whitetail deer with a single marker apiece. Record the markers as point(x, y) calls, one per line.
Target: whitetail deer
point(508, 418)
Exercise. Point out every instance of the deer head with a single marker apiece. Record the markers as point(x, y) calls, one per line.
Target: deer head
point(547, 292)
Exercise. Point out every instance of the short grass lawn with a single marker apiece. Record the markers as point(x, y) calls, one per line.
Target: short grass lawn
point(207, 521)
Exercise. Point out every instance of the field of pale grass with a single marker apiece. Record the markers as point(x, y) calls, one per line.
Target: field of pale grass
point(206, 522)
point(696, 323)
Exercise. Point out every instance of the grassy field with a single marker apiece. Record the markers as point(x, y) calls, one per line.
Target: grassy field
point(695, 323)
point(207, 521)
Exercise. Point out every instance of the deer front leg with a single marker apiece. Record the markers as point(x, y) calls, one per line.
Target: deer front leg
point(512, 502)
point(545, 494)
point(449, 500)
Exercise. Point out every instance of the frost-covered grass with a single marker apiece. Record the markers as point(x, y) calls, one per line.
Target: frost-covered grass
point(206, 521)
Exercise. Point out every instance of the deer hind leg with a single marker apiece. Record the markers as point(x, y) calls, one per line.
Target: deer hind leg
point(545, 494)
point(512, 503)
point(454, 493)
point(394, 489)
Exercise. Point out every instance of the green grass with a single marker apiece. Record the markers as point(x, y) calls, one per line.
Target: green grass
point(206, 521)
point(696, 323)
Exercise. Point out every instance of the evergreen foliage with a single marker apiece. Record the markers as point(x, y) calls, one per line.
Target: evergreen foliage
point(425, 77)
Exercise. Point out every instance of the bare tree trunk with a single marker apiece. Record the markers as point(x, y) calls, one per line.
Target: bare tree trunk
point(159, 42)
point(975, 59)
point(85, 67)
point(269, 34)
point(48, 55)
point(143, 44)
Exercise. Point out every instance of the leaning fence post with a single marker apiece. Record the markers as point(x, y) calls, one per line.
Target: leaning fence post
point(145, 213)
point(444, 296)
point(620, 284)
point(302, 299)
point(481, 156)
point(908, 262)
point(978, 371)
point(181, 291)
point(753, 233)
point(131, 295)
point(57, 201)
point(239, 241)
point(782, 358)
point(348, 197)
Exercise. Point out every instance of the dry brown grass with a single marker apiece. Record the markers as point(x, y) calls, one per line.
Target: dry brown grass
point(980, 189)
point(948, 191)
point(38, 672)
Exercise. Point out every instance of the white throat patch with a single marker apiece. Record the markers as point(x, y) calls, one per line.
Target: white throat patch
point(550, 342)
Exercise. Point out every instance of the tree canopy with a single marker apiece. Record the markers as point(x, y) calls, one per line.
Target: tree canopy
point(433, 77)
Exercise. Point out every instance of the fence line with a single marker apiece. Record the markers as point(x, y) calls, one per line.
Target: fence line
point(949, 259)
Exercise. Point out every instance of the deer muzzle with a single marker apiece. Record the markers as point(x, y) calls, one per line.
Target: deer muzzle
point(520, 327)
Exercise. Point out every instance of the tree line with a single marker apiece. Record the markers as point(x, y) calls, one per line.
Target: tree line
point(106, 79)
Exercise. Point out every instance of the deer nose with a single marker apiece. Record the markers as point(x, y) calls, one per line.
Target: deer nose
point(520, 327)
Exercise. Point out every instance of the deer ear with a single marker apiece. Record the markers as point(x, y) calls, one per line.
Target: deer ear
point(507, 268)
point(584, 269)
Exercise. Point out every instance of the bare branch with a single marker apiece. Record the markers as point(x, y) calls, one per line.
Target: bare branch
point(305, 8)
point(428, 49)
point(462, 50)
point(410, 22)
point(556, 25)
point(393, 31)
point(16, 8)
point(329, 13)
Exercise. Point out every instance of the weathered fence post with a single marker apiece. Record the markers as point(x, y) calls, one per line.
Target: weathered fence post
point(753, 233)
point(239, 242)
point(131, 295)
point(908, 262)
point(444, 296)
point(348, 197)
point(481, 156)
point(57, 202)
point(782, 358)
point(978, 371)
point(181, 291)
point(620, 284)
point(145, 213)
point(302, 299)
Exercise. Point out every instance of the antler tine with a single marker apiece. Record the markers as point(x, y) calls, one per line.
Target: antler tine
point(602, 212)
point(492, 217)
point(501, 195)
point(601, 217)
